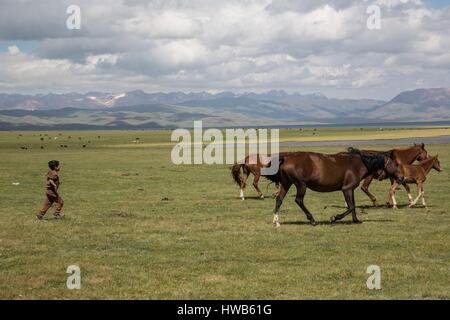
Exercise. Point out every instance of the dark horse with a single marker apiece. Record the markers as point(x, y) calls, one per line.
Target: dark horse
point(403, 157)
point(327, 173)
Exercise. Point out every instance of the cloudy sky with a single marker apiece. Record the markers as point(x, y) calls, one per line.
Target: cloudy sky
point(238, 45)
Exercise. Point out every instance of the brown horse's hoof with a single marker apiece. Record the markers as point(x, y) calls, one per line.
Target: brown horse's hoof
point(357, 221)
point(333, 219)
point(314, 223)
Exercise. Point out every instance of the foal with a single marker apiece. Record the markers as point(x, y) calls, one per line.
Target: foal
point(252, 164)
point(415, 174)
point(327, 173)
point(402, 157)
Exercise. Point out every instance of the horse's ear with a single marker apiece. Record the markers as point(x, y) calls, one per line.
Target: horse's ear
point(423, 145)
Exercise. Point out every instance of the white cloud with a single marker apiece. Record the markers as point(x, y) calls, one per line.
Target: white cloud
point(13, 50)
point(307, 46)
point(167, 24)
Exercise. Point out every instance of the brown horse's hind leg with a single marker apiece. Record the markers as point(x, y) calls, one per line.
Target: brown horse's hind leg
point(255, 184)
point(243, 184)
point(301, 190)
point(276, 215)
point(408, 191)
point(391, 194)
point(349, 195)
point(365, 188)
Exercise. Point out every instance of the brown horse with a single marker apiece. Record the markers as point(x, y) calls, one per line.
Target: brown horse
point(252, 164)
point(327, 173)
point(415, 174)
point(402, 157)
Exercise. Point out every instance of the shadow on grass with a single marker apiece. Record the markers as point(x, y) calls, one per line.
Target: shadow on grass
point(52, 218)
point(254, 198)
point(416, 207)
point(368, 206)
point(336, 223)
point(400, 206)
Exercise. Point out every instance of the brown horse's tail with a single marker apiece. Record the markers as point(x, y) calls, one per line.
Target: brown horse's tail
point(236, 173)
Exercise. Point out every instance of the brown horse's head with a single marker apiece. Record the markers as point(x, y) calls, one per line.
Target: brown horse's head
point(392, 169)
point(437, 164)
point(423, 154)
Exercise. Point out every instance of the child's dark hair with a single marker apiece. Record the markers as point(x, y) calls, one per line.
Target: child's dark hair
point(53, 164)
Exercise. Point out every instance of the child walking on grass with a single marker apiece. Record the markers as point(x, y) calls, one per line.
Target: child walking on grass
point(52, 196)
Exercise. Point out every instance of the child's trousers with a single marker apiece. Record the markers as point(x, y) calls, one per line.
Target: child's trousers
point(50, 198)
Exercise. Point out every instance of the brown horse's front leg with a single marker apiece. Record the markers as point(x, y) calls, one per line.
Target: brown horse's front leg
point(365, 188)
point(301, 190)
point(349, 195)
point(419, 193)
point(354, 217)
point(276, 214)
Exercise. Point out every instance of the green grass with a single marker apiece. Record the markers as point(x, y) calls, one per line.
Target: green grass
point(140, 227)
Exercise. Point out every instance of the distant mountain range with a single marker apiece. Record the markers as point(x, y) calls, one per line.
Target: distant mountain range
point(141, 110)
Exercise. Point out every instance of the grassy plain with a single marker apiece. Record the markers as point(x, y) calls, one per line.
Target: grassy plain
point(141, 227)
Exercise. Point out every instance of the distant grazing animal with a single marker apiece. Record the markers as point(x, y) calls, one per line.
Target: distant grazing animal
point(415, 174)
point(252, 164)
point(402, 157)
point(327, 173)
